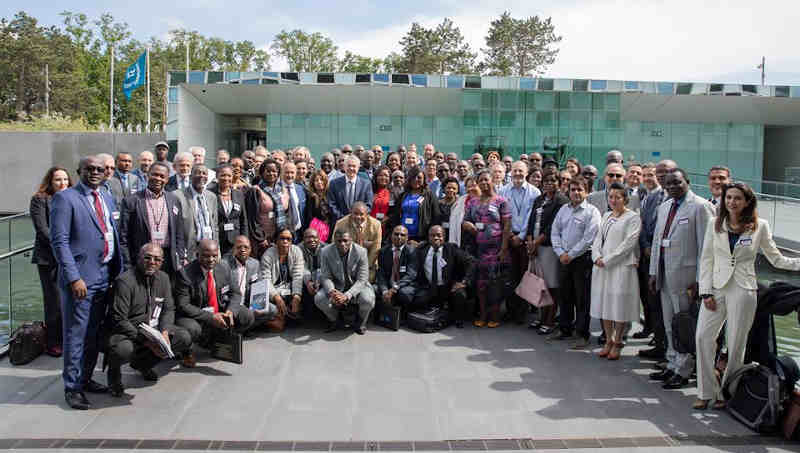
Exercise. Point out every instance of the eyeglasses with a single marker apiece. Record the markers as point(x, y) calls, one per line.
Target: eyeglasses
point(94, 169)
point(153, 259)
point(565, 178)
point(615, 175)
point(284, 238)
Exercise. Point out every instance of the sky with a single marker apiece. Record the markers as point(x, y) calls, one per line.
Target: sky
point(671, 40)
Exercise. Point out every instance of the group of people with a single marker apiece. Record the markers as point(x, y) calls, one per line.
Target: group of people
point(181, 247)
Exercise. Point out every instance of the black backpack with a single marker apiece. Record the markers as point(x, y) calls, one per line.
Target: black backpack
point(27, 342)
point(758, 400)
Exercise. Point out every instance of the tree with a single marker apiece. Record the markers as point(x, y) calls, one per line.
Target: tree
point(436, 50)
point(520, 46)
point(306, 52)
point(357, 63)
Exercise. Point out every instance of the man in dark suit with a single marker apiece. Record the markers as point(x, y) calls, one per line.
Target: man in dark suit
point(397, 271)
point(142, 295)
point(297, 193)
point(244, 269)
point(207, 298)
point(343, 192)
point(153, 215)
point(443, 273)
point(111, 184)
point(182, 177)
point(128, 181)
point(312, 250)
point(85, 243)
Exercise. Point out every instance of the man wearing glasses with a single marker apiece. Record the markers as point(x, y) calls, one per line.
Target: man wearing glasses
point(614, 173)
point(589, 173)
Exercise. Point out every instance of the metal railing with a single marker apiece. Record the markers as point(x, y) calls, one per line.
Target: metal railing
point(15, 232)
point(21, 298)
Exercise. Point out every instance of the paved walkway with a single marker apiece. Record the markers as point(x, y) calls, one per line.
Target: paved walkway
point(303, 386)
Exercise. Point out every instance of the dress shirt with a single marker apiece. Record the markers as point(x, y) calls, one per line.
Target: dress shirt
point(574, 229)
point(334, 174)
point(241, 276)
point(296, 203)
point(399, 252)
point(350, 191)
point(106, 217)
point(429, 265)
point(435, 187)
point(202, 218)
point(183, 183)
point(520, 200)
point(157, 216)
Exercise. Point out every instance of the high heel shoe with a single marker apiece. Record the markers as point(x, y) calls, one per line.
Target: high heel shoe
point(700, 404)
point(604, 352)
point(614, 353)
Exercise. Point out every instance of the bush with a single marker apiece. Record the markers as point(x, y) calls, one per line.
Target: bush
point(55, 122)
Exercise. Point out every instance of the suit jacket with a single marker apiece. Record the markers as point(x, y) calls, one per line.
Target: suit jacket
point(77, 239)
point(337, 193)
point(252, 273)
point(407, 268)
point(428, 212)
point(460, 265)
point(135, 230)
point(600, 201)
point(332, 270)
point(40, 216)
point(271, 269)
point(370, 239)
point(142, 176)
point(311, 262)
point(135, 298)
point(232, 224)
point(649, 214)
point(172, 183)
point(114, 187)
point(548, 216)
point(134, 183)
point(191, 291)
point(186, 199)
point(685, 236)
point(718, 265)
point(303, 207)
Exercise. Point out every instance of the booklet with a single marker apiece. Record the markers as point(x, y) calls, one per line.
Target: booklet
point(154, 335)
point(258, 295)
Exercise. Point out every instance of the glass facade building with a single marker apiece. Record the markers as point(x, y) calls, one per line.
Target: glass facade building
point(647, 121)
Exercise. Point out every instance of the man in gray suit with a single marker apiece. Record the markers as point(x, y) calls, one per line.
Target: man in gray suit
point(614, 173)
point(199, 207)
point(244, 269)
point(675, 254)
point(344, 280)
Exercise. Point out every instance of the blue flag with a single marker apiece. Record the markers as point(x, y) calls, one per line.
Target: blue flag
point(135, 75)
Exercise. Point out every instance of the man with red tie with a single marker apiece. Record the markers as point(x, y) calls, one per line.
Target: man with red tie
point(83, 234)
point(206, 298)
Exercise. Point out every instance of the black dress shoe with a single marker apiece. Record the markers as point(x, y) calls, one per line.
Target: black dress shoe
point(95, 387)
point(675, 382)
point(76, 400)
point(149, 375)
point(332, 326)
point(653, 353)
point(663, 375)
point(642, 334)
point(361, 330)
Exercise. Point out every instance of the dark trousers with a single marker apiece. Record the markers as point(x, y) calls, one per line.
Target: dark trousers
point(441, 296)
point(122, 350)
point(242, 320)
point(517, 307)
point(82, 320)
point(644, 291)
point(404, 298)
point(48, 276)
point(574, 281)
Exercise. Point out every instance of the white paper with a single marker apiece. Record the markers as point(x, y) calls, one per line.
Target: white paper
point(155, 336)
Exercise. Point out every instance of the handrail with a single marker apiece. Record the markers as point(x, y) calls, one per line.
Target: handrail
point(16, 252)
point(14, 216)
point(3, 257)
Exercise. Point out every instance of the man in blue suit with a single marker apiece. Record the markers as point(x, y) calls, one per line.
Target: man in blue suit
point(343, 192)
point(86, 247)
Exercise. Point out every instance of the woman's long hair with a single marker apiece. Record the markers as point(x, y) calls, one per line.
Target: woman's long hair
point(748, 218)
point(45, 189)
point(319, 197)
point(412, 176)
point(375, 178)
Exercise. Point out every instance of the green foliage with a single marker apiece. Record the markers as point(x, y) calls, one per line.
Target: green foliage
point(357, 63)
point(520, 46)
point(306, 52)
point(434, 50)
point(54, 123)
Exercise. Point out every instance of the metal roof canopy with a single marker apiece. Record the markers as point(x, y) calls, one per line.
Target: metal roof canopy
point(363, 100)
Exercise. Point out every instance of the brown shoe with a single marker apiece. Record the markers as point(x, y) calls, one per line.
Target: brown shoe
point(189, 360)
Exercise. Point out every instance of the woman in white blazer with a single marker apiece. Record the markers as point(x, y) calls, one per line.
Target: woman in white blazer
point(728, 285)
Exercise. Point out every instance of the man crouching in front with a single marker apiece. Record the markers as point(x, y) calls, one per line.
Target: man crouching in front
point(142, 295)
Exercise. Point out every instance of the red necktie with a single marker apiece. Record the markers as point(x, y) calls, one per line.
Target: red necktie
point(101, 219)
point(212, 293)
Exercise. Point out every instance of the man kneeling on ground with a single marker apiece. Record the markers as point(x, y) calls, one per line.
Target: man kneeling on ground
point(142, 295)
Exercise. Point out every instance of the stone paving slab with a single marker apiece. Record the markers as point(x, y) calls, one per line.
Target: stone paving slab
point(303, 385)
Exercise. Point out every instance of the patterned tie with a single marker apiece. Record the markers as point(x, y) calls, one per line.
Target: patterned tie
point(435, 268)
point(211, 288)
point(396, 266)
point(101, 219)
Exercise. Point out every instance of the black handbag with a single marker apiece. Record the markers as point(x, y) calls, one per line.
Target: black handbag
point(431, 320)
point(387, 316)
point(227, 345)
point(758, 399)
point(27, 342)
point(684, 329)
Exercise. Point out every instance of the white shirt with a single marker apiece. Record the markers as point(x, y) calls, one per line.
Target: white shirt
point(202, 218)
point(429, 268)
point(295, 201)
point(106, 217)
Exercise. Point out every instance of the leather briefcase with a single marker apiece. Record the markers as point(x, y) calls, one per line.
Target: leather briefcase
point(227, 345)
point(27, 342)
point(387, 316)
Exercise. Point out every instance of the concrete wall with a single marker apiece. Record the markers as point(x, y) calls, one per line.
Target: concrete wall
point(197, 125)
point(26, 156)
point(781, 150)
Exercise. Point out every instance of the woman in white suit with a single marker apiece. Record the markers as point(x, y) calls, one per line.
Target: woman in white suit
point(728, 285)
point(615, 286)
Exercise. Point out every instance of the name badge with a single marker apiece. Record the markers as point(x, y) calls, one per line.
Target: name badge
point(175, 210)
point(747, 241)
point(115, 215)
point(285, 291)
point(445, 224)
point(402, 269)
point(236, 207)
point(409, 221)
point(578, 221)
point(270, 215)
point(493, 209)
point(207, 232)
point(391, 202)
point(225, 289)
point(159, 235)
point(109, 236)
point(227, 227)
point(420, 199)
point(159, 299)
point(665, 243)
point(254, 279)
point(683, 221)
point(208, 309)
point(379, 216)
point(479, 226)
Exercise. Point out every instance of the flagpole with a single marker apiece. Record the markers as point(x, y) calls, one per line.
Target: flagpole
point(111, 91)
point(147, 64)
